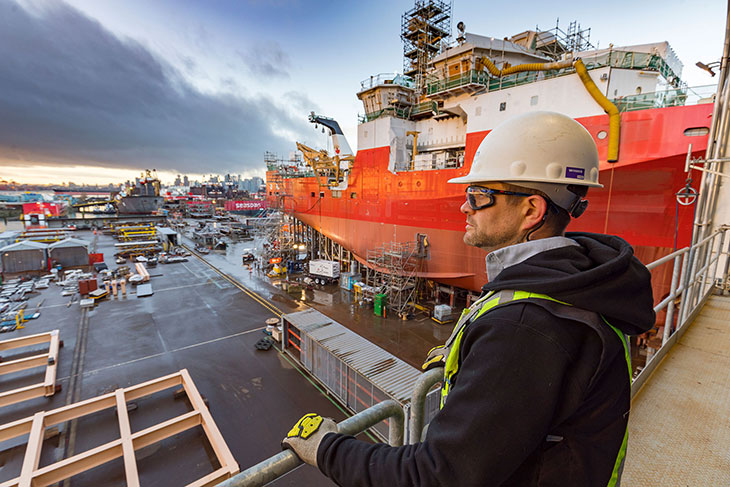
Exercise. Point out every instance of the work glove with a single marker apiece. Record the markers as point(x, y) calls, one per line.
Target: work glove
point(306, 435)
point(436, 358)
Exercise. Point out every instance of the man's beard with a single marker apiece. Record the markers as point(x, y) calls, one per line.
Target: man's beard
point(490, 241)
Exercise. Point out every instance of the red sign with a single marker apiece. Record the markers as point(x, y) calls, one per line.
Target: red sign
point(250, 205)
point(275, 260)
point(48, 209)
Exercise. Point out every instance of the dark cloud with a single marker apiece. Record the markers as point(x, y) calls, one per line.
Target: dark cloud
point(266, 59)
point(71, 91)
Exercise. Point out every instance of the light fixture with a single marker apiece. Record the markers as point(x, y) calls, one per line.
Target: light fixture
point(708, 67)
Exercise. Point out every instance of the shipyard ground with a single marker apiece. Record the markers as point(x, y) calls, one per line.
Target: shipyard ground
point(196, 320)
point(409, 340)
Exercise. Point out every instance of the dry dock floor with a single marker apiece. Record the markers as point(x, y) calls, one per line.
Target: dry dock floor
point(679, 429)
point(196, 320)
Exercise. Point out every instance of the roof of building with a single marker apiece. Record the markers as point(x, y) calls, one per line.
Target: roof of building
point(69, 242)
point(24, 245)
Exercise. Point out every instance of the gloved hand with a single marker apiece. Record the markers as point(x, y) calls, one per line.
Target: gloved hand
point(436, 358)
point(306, 435)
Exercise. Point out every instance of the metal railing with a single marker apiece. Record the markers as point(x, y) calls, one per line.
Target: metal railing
point(423, 386)
point(694, 278)
point(286, 461)
point(666, 98)
point(615, 59)
point(387, 79)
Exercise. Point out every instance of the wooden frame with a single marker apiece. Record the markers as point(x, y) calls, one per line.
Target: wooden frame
point(48, 386)
point(127, 443)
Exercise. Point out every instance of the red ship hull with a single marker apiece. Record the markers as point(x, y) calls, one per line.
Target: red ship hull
point(638, 200)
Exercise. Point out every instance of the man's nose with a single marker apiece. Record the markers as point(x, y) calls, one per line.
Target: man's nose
point(465, 208)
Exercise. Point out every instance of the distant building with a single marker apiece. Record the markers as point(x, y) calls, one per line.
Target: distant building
point(186, 181)
point(178, 181)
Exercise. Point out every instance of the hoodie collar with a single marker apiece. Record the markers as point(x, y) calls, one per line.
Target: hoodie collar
point(505, 257)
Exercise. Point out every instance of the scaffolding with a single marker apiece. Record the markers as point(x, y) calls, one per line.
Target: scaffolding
point(394, 269)
point(555, 42)
point(425, 31)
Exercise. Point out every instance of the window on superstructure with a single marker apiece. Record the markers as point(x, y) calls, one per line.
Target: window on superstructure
point(503, 106)
point(533, 101)
point(353, 196)
point(312, 195)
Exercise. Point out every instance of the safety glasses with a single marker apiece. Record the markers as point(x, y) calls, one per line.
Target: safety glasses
point(480, 198)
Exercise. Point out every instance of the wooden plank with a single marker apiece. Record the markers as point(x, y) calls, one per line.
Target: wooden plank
point(225, 457)
point(27, 341)
point(152, 386)
point(161, 431)
point(78, 409)
point(32, 451)
point(125, 432)
point(12, 430)
point(78, 463)
point(23, 364)
point(21, 394)
point(50, 380)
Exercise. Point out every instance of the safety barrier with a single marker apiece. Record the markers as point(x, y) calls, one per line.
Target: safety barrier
point(281, 463)
point(694, 275)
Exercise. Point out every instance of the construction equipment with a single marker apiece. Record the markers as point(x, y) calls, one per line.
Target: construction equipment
point(333, 169)
point(324, 271)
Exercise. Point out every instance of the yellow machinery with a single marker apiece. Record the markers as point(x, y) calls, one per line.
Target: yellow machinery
point(325, 166)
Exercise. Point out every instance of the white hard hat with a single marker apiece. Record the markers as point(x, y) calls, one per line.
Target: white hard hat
point(546, 151)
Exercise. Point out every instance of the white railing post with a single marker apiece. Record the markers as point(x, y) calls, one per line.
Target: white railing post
point(670, 307)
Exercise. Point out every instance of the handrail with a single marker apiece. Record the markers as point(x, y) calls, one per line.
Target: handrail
point(286, 461)
point(418, 401)
point(693, 279)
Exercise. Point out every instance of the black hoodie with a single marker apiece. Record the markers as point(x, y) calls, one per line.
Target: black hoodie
point(540, 399)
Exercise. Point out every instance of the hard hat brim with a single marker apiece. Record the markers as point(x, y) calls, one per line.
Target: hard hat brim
point(516, 181)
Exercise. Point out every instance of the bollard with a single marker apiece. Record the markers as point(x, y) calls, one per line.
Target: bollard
point(114, 287)
point(123, 284)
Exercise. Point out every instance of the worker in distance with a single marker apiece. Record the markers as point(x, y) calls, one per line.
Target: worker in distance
point(537, 374)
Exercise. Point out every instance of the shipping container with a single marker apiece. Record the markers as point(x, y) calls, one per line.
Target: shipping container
point(359, 373)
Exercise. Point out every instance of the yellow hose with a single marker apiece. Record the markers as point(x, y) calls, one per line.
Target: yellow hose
point(614, 118)
point(495, 71)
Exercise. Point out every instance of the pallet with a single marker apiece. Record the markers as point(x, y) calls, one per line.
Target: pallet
point(48, 386)
point(123, 447)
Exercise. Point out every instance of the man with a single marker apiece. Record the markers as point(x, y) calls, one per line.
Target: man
point(537, 377)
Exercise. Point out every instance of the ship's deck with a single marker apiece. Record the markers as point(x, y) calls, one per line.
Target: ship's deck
point(679, 430)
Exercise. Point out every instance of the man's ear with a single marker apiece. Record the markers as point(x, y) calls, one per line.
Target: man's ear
point(534, 209)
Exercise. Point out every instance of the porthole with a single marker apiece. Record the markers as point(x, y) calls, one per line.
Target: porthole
point(696, 131)
point(602, 134)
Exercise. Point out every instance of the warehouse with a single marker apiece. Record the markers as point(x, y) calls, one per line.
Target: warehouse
point(70, 252)
point(25, 256)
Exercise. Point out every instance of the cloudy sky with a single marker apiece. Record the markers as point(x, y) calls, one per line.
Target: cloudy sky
point(96, 90)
